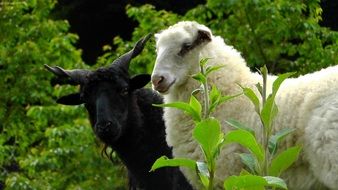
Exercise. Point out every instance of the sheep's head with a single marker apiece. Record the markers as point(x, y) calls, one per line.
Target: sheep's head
point(178, 54)
point(105, 92)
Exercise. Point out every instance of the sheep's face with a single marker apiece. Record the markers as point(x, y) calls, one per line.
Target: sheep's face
point(106, 95)
point(177, 51)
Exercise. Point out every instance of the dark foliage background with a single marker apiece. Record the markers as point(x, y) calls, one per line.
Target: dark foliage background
point(98, 22)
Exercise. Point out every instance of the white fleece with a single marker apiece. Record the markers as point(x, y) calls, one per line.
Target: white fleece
point(308, 104)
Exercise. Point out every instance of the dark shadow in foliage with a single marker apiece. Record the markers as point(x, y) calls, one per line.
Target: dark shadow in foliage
point(122, 116)
point(98, 22)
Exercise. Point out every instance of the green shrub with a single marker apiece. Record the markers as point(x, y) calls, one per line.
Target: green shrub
point(44, 145)
point(283, 35)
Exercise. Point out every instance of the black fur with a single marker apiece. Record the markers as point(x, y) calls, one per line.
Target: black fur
point(122, 115)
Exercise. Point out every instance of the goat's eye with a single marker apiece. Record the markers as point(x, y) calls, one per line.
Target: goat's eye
point(124, 91)
point(81, 96)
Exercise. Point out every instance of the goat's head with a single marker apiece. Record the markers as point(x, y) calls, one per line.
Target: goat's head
point(178, 54)
point(106, 92)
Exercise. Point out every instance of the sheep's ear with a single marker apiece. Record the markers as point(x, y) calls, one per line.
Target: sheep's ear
point(203, 36)
point(139, 81)
point(71, 99)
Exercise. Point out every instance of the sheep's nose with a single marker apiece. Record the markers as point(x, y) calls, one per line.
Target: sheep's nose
point(157, 80)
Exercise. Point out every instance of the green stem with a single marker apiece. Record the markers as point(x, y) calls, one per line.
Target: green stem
point(266, 156)
point(264, 87)
point(206, 95)
point(205, 116)
point(211, 180)
point(211, 174)
point(266, 133)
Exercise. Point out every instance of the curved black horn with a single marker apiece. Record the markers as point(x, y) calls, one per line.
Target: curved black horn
point(72, 77)
point(125, 59)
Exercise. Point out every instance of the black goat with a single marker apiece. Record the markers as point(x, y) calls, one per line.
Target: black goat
point(122, 116)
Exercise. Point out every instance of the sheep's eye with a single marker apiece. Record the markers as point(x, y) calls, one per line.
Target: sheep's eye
point(186, 46)
point(124, 91)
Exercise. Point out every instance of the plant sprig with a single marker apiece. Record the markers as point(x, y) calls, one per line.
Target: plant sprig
point(263, 164)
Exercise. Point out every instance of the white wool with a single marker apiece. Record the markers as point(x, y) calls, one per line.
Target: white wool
point(308, 104)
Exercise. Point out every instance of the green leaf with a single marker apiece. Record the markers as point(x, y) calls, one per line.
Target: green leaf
point(219, 146)
point(249, 161)
point(197, 107)
point(264, 72)
point(252, 97)
point(284, 160)
point(279, 80)
point(273, 141)
point(212, 69)
point(199, 77)
point(214, 98)
point(247, 140)
point(175, 162)
point(270, 109)
point(179, 105)
point(202, 168)
point(253, 182)
point(245, 172)
point(238, 125)
point(269, 112)
point(259, 88)
point(182, 106)
point(275, 182)
point(196, 91)
point(204, 61)
point(208, 135)
point(217, 99)
point(214, 95)
point(203, 172)
point(245, 182)
point(227, 98)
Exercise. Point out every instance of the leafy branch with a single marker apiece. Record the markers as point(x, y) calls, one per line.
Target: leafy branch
point(263, 163)
point(207, 132)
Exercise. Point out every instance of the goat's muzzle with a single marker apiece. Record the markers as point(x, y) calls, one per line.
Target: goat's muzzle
point(108, 131)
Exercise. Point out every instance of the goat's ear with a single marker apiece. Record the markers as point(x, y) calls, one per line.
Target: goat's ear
point(71, 99)
point(139, 81)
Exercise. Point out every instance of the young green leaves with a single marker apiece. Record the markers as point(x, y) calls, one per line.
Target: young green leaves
point(207, 132)
point(262, 159)
point(193, 108)
point(253, 182)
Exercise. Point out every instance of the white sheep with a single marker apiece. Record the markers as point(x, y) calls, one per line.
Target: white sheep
point(308, 104)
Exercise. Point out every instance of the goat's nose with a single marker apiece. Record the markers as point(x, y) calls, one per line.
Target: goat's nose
point(109, 124)
point(157, 80)
point(104, 126)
